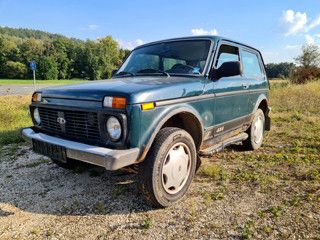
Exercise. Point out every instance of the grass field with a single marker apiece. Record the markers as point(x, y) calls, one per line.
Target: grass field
point(14, 114)
point(271, 193)
point(30, 81)
point(287, 101)
point(286, 168)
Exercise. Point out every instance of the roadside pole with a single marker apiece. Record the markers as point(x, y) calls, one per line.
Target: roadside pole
point(34, 80)
point(33, 66)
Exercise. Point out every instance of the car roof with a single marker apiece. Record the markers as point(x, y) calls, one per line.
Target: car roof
point(208, 37)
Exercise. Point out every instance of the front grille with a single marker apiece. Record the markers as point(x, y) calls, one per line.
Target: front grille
point(78, 125)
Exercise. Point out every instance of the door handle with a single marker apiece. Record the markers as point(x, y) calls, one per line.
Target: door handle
point(245, 85)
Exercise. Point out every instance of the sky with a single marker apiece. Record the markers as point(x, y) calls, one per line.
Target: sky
point(278, 28)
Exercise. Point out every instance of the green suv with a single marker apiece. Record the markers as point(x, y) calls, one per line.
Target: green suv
point(169, 103)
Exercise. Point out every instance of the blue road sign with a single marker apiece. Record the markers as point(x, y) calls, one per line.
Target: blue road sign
point(33, 65)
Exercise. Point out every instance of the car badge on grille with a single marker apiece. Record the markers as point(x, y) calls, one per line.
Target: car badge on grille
point(61, 120)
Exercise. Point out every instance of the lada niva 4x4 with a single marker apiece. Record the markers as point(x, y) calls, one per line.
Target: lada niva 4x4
point(169, 103)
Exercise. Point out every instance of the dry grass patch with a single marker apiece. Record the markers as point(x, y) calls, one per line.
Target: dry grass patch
point(286, 169)
point(14, 114)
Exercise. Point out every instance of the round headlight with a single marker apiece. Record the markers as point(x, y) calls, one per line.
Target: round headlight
point(114, 128)
point(36, 116)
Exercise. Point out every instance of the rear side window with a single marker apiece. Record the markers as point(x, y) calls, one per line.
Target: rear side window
point(227, 53)
point(251, 65)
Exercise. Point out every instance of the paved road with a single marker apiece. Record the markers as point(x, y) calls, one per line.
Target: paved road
point(20, 89)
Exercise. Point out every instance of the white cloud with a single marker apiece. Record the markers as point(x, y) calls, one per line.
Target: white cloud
point(93, 26)
point(201, 31)
point(292, 46)
point(314, 23)
point(317, 35)
point(293, 22)
point(130, 44)
point(90, 27)
point(309, 39)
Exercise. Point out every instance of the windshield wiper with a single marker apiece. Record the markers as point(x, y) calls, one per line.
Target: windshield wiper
point(164, 72)
point(152, 71)
point(124, 73)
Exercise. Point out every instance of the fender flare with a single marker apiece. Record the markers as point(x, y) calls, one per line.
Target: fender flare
point(170, 114)
point(261, 98)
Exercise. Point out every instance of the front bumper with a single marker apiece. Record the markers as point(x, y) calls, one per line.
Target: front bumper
point(109, 158)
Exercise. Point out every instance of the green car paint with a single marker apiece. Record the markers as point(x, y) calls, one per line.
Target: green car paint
point(216, 106)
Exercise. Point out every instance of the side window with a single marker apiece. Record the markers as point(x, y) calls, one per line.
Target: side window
point(227, 54)
point(251, 65)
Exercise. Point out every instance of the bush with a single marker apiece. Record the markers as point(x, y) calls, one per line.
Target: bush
point(309, 65)
point(48, 69)
point(15, 69)
point(303, 75)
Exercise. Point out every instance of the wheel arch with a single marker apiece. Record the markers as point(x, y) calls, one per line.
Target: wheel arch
point(263, 104)
point(185, 118)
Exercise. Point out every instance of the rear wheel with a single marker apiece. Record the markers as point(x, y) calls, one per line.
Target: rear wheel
point(168, 170)
point(256, 131)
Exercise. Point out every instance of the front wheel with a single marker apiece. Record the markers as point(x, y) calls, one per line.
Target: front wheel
point(255, 131)
point(168, 170)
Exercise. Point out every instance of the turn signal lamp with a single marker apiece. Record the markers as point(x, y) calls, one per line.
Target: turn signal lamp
point(36, 97)
point(147, 106)
point(115, 102)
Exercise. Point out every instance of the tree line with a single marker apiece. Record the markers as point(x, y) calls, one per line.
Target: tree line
point(57, 56)
point(306, 67)
point(279, 70)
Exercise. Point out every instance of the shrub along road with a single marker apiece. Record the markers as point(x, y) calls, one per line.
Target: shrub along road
point(272, 193)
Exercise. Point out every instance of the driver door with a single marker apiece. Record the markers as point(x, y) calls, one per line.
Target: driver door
point(230, 93)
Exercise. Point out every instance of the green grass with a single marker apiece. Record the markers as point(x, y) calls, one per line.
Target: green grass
point(288, 159)
point(295, 115)
point(14, 114)
point(30, 81)
point(147, 223)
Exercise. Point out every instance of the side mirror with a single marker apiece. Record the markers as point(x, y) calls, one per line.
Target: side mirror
point(114, 72)
point(227, 69)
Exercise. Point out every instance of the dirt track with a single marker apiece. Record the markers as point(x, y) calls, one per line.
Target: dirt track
point(40, 200)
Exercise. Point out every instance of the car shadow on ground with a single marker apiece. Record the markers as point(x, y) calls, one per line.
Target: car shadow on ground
point(33, 183)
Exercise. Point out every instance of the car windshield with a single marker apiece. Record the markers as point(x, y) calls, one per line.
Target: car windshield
point(168, 58)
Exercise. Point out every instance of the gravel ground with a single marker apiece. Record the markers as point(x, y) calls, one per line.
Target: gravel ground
point(40, 200)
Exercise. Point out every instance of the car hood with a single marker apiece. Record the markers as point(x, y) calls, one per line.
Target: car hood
point(135, 89)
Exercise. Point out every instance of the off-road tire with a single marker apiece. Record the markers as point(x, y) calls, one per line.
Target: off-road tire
point(250, 143)
point(151, 181)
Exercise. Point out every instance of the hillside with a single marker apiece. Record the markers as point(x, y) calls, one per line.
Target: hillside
point(58, 57)
point(25, 33)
